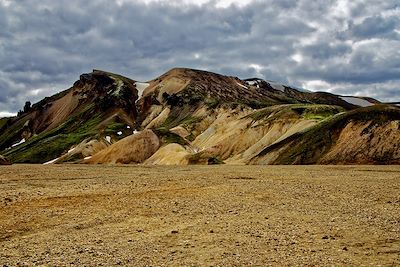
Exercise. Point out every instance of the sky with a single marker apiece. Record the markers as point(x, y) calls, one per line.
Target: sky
point(344, 47)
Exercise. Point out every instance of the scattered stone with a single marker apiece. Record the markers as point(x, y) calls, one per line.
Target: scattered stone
point(328, 237)
point(250, 233)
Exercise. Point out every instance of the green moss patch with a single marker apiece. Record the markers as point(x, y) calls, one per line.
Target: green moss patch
point(3, 122)
point(12, 133)
point(304, 111)
point(49, 145)
point(168, 137)
point(114, 127)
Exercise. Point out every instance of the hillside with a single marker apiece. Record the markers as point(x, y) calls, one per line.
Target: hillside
point(188, 116)
point(368, 135)
point(97, 104)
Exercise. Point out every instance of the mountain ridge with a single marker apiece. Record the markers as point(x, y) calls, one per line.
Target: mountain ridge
point(199, 117)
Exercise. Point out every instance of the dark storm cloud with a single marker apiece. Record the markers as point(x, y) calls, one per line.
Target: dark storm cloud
point(325, 51)
point(352, 47)
point(375, 26)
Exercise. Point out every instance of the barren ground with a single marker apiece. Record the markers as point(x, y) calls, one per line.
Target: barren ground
point(80, 215)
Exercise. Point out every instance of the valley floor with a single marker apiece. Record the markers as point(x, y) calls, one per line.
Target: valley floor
point(199, 215)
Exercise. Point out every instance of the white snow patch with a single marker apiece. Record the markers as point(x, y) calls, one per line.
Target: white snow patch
point(19, 143)
point(108, 139)
point(356, 101)
point(88, 158)
point(141, 87)
point(51, 161)
point(119, 133)
point(128, 127)
point(241, 85)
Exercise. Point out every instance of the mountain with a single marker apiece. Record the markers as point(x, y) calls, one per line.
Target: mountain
point(188, 116)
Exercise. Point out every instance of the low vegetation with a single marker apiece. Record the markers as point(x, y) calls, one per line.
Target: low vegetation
point(304, 111)
point(49, 145)
point(168, 137)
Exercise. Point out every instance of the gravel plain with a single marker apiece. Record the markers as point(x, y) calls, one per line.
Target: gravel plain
point(124, 215)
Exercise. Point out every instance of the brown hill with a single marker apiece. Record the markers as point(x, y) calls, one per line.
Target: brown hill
point(132, 149)
point(364, 136)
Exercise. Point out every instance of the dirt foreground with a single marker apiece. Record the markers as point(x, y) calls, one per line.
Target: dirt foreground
point(65, 215)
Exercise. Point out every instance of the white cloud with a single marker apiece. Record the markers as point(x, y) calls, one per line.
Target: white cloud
point(4, 114)
point(297, 57)
point(317, 85)
point(346, 47)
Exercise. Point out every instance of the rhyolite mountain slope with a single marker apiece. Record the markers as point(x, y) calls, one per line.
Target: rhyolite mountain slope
point(99, 103)
point(188, 116)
